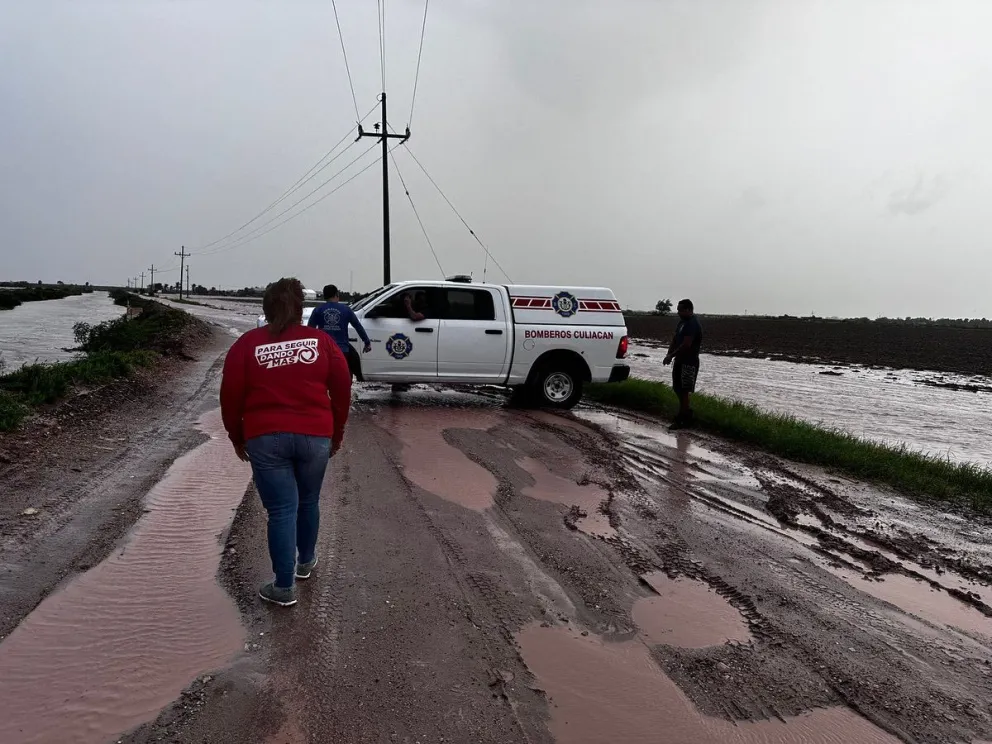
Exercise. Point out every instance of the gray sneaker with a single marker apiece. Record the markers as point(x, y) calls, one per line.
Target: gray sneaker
point(278, 595)
point(303, 570)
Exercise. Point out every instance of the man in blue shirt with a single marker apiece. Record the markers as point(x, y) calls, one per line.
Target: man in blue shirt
point(334, 317)
point(685, 352)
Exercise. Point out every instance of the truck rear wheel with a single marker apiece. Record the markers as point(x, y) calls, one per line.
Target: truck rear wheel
point(558, 388)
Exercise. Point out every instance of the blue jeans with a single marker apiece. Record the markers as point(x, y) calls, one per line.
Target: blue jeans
point(289, 470)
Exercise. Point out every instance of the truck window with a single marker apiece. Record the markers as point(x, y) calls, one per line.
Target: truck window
point(469, 304)
point(394, 307)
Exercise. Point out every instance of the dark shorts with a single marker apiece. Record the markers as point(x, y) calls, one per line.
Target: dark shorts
point(354, 365)
point(684, 376)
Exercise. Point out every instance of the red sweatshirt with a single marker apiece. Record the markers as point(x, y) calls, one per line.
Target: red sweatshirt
point(297, 382)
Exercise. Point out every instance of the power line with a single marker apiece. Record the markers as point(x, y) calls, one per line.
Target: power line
point(344, 53)
point(309, 206)
point(291, 206)
point(417, 214)
point(416, 78)
point(316, 168)
point(458, 214)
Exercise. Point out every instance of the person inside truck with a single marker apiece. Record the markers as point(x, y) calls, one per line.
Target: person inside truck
point(685, 353)
point(415, 304)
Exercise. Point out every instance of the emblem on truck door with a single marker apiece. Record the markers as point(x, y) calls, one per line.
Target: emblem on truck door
point(399, 346)
point(565, 304)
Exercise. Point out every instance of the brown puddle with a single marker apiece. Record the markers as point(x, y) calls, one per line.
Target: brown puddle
point(118, 643)
point(550, 487)
point(688, 614)
point(433, 464)
point(615, 692)
point(922, 600)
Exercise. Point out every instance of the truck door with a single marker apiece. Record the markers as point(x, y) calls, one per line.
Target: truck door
point(474, 336)
point(403, 350)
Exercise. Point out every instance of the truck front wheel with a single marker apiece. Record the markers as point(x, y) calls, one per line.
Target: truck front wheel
point(558, 388)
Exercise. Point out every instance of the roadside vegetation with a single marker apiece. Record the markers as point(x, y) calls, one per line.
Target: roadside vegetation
point(911, 473)
point(112, 350)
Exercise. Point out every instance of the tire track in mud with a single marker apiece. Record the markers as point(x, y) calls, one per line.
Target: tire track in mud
point(326, 613)
point(882, 677)
point(481, 605)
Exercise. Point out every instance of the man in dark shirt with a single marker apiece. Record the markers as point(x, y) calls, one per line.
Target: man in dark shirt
point(685, 352)
point(334, 317)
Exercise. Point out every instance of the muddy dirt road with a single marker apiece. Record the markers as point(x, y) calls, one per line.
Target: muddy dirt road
point(496, 575)
point(493, 575)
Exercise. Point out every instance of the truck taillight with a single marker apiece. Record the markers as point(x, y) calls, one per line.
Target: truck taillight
point(622, 348)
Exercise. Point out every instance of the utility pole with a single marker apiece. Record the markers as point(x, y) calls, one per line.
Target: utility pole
point(182, 259)
point(386, 136)
point(152, 269)
point(142, 280)
point(187, 281)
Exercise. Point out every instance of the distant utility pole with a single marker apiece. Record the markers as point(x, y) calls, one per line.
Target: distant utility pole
point(152, 269)
point(142, 280)
point(187, 281)
point(182, 259)
point(386, 136)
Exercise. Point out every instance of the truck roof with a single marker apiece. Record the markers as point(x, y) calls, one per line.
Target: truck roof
point(513, 289)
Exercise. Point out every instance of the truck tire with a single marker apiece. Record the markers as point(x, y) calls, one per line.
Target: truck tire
point(558, 387)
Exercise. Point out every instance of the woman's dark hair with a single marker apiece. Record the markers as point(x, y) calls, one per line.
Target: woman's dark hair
point(283, 305)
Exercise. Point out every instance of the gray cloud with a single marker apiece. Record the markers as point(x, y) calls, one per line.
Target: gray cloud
point(713, 148)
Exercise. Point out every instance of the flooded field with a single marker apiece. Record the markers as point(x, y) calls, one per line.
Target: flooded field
point(891, 406)
point(42, 331)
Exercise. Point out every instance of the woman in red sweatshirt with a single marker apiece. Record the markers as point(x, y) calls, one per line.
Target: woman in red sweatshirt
point(284, 398)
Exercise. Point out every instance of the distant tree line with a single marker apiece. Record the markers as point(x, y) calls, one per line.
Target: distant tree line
point(13, 294)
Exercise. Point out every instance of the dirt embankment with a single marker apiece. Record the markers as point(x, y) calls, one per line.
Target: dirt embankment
point(901, 345)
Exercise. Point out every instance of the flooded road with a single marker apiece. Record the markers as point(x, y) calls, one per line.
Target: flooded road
point(593, 578)
point(41, 331)
point(897, 407)
point(109, 650)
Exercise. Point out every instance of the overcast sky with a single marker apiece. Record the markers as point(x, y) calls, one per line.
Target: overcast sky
point(775, 156)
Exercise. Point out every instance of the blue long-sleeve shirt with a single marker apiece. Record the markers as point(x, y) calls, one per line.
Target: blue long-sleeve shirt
point(334, 318)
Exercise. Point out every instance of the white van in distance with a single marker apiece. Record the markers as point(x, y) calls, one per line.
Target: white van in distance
point(547, 341)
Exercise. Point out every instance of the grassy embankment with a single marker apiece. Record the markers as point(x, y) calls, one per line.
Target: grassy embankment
point(113, 350)
point(914, 474)
point(11, 298)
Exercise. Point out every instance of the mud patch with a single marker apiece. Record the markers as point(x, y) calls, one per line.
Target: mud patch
point(602, 691)
point(587, 500)
point(433, 464)
point(921, 599)
point(121, 641)
point(687, 614)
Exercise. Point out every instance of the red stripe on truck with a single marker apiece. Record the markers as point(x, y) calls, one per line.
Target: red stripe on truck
point(544, 303)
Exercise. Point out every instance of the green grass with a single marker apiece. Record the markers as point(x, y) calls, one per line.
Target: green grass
point(909, 472)
point(37, 384)
point(12, 411)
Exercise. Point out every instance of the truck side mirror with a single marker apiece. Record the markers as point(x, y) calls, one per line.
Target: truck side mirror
point(375, 312)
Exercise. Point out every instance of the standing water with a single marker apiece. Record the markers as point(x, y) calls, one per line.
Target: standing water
point(896, 407)
point(42, 331)
point(107, 651)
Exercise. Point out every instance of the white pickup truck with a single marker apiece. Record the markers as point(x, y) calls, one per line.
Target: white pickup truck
point(545, 341)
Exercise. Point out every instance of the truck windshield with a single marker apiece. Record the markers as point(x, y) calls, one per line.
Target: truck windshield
point(370, 297)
